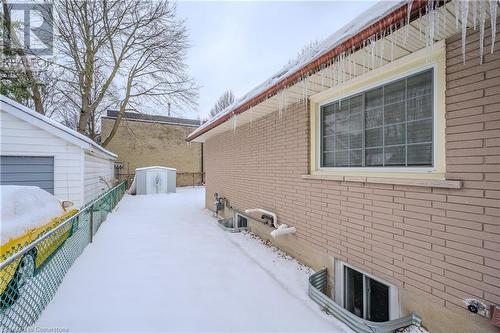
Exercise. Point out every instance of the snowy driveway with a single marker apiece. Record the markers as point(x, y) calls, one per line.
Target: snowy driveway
point(160, 263)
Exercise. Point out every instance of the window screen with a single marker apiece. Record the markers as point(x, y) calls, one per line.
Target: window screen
point(388, 126)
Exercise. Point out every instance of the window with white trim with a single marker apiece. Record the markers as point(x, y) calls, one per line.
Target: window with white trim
point(387, 126)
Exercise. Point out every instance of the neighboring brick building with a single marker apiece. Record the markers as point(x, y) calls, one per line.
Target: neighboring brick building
point(147, 140)
point(427, 226)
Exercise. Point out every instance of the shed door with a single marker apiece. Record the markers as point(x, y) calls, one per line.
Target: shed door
point(28, 171)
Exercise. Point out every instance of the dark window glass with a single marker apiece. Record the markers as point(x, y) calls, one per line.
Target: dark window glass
point(365, 297)
point(353, 291)
point(391, 125)
point(377, 300)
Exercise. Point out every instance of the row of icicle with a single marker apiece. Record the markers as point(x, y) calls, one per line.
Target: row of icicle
point(433, 21)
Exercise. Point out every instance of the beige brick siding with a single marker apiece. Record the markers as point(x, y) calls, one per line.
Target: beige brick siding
point(140, 144)
point(440, 243)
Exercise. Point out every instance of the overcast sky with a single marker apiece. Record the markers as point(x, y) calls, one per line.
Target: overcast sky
point(237, 45)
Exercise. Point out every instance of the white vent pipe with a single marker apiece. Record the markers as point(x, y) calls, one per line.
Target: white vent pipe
point(281, 229)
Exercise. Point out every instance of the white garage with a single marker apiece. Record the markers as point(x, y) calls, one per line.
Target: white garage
point(36, 150)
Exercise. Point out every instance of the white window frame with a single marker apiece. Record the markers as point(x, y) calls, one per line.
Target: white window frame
point(339, 292)
point(372, 86)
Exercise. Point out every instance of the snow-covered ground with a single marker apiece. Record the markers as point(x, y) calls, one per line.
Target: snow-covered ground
point(160, 263)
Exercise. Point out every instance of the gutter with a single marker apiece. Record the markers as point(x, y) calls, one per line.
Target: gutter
point(351, 43)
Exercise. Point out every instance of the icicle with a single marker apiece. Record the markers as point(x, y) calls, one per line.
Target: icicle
point(420, 24)
point(278, 104)
point(323, 75)
point(304, 94)
point(354, 63)
point(408, 15)
point(234, 123)
point(436, 21)
point(392, 44)
point(364, 55)
point(431, 24)
point(493, 16)
point(372, 46)
point(457, 13)
point(465, 13)
point(285, 98)
point(382, 47)
point(474, 13)
point(445, 20)
point(332, 73)
point(482, 21)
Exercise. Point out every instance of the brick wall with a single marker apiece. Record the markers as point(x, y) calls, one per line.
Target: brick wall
point(140, 144)
point(440, 243)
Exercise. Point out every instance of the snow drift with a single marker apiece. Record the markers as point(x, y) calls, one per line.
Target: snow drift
point(24, 208)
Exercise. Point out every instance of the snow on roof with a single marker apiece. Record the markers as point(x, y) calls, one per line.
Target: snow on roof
point(365, 19)
point(155, 167)
point(25, 208)
point(73, 136)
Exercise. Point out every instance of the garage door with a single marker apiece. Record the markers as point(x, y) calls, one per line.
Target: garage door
point(28, 171)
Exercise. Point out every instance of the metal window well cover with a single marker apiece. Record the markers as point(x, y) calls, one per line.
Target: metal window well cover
point(228, 225)
point(317, 287)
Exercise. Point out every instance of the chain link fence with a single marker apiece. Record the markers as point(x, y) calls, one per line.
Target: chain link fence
point(31, 271)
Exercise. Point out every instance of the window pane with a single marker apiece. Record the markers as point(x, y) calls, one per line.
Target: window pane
point(353, 291)
point(391, 125)
point(374, 117)
point(355, 140)
point(341, 142)
point(378, 300)
point(420, 84)
point(327, 121)
point(341, 158)
point(355, 158)
point(356, 104)
point(420, 154)
point(394, 92)
point(394, 113)
point(342, 119)
point(328, 143)
point(374, 157)
point(394, 134)
point(328, 160)
point(374, 137)
point(420, 107)
point(355, 122)
point(395, 156)
point(374, 98)
point(420, 131)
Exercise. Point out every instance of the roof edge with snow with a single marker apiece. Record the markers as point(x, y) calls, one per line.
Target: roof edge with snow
point(31, 116)
point(377, 18)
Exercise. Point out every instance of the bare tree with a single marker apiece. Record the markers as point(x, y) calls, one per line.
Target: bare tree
point(20, 82)
point(226, 99)
point(127, 53)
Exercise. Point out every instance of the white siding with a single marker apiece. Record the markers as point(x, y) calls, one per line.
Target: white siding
point(19, 138)
point(97, 169)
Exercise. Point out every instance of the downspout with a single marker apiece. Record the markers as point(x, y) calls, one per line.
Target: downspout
point(281, 229)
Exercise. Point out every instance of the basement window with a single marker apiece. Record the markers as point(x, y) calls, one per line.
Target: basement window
point(364, 295)
point(391, 125)
point(241, 221)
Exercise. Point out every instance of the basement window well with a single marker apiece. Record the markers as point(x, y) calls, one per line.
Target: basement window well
point(364, 295)
point(237, 223)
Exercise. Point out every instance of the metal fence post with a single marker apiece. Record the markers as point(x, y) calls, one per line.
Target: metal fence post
point(91, 222)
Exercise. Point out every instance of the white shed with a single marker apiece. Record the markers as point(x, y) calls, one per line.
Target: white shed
point(36, 150)
point(154, 180)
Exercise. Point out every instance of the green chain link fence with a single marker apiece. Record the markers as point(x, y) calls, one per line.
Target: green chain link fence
point(30, 277)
